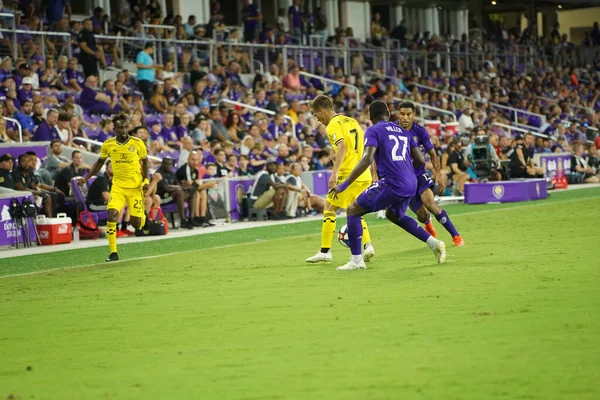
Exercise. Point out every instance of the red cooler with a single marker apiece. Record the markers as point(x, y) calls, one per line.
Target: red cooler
point(451, 128)
point(434, 125)
point(54, 230)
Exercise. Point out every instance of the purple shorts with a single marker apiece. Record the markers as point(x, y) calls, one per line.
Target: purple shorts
point(424, 182)
point(380, 196)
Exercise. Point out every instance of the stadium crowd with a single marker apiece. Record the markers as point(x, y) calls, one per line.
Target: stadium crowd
point(181, 118)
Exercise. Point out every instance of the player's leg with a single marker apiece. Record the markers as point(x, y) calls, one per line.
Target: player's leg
point(135, 205)
point(355, 237)
point(441, 215)
point(416, 205)
point(279, 202)
point(202, 207)
point(397, 216)
point(124, 217)
point(115, 205)
point(327, 233)
point(368, 250)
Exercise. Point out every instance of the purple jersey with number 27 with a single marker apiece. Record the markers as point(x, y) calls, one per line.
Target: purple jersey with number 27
point(397, 183)
point(393, 156)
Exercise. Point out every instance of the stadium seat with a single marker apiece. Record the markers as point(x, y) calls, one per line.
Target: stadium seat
point(82, 205)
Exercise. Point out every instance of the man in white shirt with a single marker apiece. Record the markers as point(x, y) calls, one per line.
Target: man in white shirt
point(465, 122)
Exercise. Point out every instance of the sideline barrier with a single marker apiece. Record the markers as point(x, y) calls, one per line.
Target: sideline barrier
point(506, 191)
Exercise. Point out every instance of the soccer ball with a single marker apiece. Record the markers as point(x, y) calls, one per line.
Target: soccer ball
point(343, 236)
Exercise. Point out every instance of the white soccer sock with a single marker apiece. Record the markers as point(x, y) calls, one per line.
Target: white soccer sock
point(432, 242)
point(356, 259)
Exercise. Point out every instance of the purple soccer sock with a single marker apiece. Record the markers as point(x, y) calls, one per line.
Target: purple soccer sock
point(355, 232)
point(411, 226)
point(445, 220)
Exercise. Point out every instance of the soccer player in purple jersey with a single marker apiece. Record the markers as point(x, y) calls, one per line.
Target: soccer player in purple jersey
point(392, 148)
point(424, 203)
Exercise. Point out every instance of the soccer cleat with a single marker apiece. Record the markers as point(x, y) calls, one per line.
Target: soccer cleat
point(458, 241)
point(320, 257)
point(381, 214)
point(351, 265)
point(112, 257)
point(429, 228)
point(440, 252)
point(122, 233)
point(368, 252)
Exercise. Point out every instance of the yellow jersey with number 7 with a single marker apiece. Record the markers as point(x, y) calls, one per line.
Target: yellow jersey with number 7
point(348, 130)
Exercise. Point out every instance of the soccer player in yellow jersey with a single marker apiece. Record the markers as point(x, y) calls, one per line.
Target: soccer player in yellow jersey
point(130, 179)
point(347, 138)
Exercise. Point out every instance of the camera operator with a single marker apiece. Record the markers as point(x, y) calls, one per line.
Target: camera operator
point(483, 158)
point(458, 165)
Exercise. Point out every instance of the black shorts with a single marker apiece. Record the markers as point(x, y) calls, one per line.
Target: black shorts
point(517, 172)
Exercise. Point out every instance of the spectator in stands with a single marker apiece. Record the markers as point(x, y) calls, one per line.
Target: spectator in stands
point(295, 18)
point(202, 132)
point(266, 192)
point(377, 31)
point(63, 127)
point(90, 54)
point(146, 70)
point(235, 127)
point(6, 167)
point(93, 101)
point(107, 130)
point(47, 131)
point(220, 162)
point(189, 179)
point(38, 113)
point(189, 25)
point(218, 130)
point(581, 171)
point(169, 190)
point(292, 81)
point(158, 101)
point(182, 128)
point(243, 168)
point(76, 168)
point(168, 131)
point(25, 180)
point(252, 18)
point(26, 91)
point(55, 160)
point(458, 165)
point(25, 118)
point(75, 79)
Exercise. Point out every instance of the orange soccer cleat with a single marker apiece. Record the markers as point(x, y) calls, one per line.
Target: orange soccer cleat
point(458, 241)
point(430, 229)
point(122, 233)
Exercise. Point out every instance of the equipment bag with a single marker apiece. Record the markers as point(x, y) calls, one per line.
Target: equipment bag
point(88, 229)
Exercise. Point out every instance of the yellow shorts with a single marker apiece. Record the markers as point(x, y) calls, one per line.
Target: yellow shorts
point(134, 198)
point(348, 196)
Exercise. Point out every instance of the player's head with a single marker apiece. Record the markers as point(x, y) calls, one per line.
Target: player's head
point(379, 111)
point(121, 125)
point(406, 114)
point(322, 108)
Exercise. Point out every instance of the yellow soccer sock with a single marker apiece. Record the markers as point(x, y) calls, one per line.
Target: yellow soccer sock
point(111, 235)
point(366, 238)
point(327, 229)
point(143, 223)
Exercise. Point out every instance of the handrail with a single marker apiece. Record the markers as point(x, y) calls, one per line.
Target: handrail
point(251, 107)
point(515, 128)
point(323, 79)
point(91, 141)
point(433, 89)
point(428, 107)
point(42, 33)
point(555, 101)
point(20, 129)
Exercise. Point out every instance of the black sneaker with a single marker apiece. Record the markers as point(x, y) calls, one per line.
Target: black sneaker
point(196, 222)
point(186, 225)
point(112, 257)
point(206, 223)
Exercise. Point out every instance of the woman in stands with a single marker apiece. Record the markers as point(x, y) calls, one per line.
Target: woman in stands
point(78, 132)
point(158, 102)
point(235, 127)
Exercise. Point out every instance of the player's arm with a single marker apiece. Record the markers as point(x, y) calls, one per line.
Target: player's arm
point(374, 174)
point(365, 162)
point(339, 160)
point(521, 157)
point(95, 169)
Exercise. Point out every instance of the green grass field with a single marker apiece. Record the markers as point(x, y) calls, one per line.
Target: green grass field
point(238, 315)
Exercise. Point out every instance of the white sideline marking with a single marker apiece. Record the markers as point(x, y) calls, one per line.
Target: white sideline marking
point(529, 205)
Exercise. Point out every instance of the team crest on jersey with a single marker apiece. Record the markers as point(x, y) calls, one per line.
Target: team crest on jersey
point(131, 149)
point(415, 139)
point(498, 191)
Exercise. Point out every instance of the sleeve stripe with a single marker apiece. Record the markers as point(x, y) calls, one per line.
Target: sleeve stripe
point(339, 140)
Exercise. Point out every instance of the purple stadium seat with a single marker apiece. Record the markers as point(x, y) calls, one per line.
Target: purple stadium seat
point(97, 215)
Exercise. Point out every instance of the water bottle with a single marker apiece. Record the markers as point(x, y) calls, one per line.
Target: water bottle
point(76, 234)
